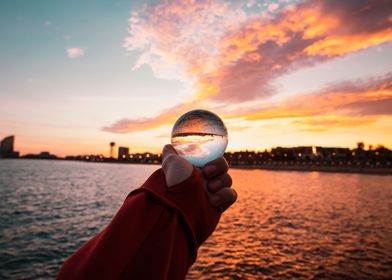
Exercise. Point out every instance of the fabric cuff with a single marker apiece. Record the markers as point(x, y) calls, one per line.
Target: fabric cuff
point(189, 200)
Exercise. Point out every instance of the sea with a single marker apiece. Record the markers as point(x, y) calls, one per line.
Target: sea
point(285, 224)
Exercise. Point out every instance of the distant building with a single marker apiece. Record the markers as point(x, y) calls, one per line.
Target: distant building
point(334, 153)
point(7, 148)
point(293, 153)
point(46, 155)
point(42, 155)
point(123, 153)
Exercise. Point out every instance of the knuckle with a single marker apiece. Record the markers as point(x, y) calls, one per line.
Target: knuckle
point(228, 181)
point(222, 166)
point(225, 180)
point(230, 196)
point(234, 195)
point(225, 166)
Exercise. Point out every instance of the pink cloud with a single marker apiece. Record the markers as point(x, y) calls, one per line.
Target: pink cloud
point(273, 6)
point(366, 99)
point(179, 39)
point(168, 116)
point(75, 52)
point(370, 98)
point(254, 55)
point(192, 149)
point(229, 57)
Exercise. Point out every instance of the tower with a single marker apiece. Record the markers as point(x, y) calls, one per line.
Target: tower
point(7, 148)
point(112, 144)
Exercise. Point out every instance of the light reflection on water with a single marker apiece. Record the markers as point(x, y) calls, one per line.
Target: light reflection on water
point(285, 225)
point(298, 225)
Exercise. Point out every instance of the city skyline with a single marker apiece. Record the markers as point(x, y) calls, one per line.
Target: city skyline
point(8, 149)
point(373, 160)
point(76, 76)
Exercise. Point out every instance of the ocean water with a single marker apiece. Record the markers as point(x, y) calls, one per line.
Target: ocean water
point(285, 225)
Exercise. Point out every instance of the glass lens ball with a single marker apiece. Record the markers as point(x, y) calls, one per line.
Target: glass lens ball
point(199, 136)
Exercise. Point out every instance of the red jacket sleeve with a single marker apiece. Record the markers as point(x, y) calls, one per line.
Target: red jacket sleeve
point(154, 235)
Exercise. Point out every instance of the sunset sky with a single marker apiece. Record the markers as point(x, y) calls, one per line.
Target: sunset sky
point(75, 75)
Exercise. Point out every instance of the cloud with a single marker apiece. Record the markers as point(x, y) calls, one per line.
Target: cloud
point(229, 56)
point(366, 97)
point(273, 6)
point(233, 56)
point(261, 50)
point(370, 108)
point(344, 104)
point(192, 149)
point(362, 102)
point(325, 123)
point(75, 52)
point(179, 39)
point(133, 125)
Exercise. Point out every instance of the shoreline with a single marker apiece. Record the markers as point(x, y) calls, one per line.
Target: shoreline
point(329, 169)
point(302, 168)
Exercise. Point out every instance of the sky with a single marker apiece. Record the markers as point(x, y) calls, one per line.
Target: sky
point(76, 75)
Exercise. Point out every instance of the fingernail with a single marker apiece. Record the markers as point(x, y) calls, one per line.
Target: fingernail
point(215, 199)
point(215, 185)
point(209, 169)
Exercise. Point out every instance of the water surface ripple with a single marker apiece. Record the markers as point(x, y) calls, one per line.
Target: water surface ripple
point(285, 225)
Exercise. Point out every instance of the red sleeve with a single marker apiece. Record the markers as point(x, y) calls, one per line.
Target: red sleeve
point(154, 235)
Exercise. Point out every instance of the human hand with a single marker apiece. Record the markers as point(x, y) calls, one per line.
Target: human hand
point(217, 181)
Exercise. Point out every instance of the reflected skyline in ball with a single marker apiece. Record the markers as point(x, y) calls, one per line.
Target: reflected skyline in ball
point(199, 136)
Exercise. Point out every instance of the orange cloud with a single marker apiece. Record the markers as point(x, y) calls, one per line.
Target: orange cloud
point(254, 55)
point(372, 97)
point(327, 122)
point(231, 57)
point(141, 124)
point(168, 116)
point(361, 102)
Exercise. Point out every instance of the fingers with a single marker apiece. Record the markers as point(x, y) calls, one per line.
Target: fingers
point(222, 181)
point(223, 198)
point(216, 167)
point(219, 183)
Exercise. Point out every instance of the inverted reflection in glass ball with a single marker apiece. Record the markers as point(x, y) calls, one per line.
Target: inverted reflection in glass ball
point(199, 136)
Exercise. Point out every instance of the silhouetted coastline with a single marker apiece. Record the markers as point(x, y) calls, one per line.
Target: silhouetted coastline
point(303, 158)
point(378, 161)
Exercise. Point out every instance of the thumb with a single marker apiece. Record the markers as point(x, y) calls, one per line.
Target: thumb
point(175, 168)
point(168, 150)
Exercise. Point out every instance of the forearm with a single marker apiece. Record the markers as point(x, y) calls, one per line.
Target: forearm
point(155, 235)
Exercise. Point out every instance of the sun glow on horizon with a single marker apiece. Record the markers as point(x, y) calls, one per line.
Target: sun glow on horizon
point(279, 73)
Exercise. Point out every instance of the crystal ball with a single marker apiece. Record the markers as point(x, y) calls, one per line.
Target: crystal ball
point(199, 136)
